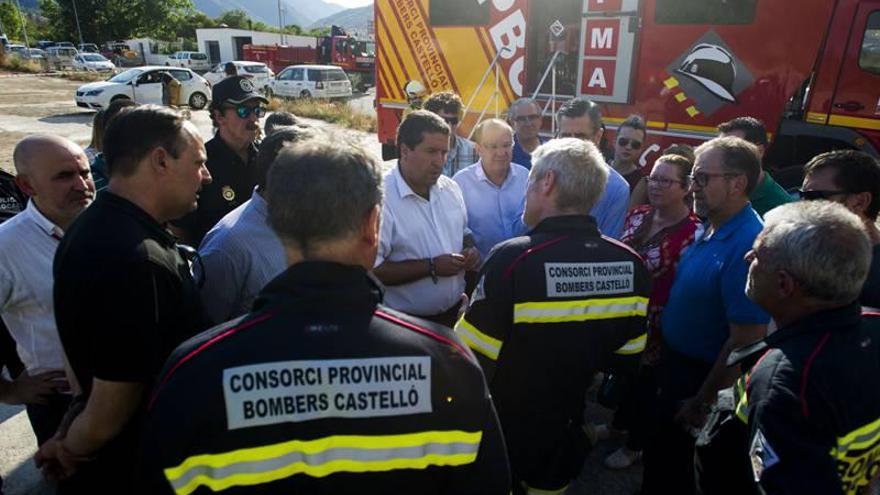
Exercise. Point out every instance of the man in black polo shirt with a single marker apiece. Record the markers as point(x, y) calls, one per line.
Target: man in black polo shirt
point(236, 108)
point(119, 258)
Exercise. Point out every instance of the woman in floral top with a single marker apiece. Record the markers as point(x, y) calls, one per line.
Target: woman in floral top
point(660, 232)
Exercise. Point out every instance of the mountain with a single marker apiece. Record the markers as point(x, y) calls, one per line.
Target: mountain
point(350, 19)
point(299, 12)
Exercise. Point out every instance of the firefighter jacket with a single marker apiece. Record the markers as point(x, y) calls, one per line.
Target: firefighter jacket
point(811, 403)
point(321, 390)
point(550, 310)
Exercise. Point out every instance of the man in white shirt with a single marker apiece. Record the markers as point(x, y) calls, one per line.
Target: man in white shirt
point(424, 245)
point(54, 172)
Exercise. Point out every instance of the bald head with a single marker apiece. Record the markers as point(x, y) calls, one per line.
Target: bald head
point(32, 151)
point(55, 173)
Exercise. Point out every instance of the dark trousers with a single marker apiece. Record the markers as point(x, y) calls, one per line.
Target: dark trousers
point(638, 403)
point(669, 450)
point(45, 418)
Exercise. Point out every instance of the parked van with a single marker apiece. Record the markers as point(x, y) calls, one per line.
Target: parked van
point(311, 81)
point(61, 57)
point(196, 61)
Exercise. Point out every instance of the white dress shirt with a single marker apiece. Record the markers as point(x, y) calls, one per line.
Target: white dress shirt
point(415, 228)
point(27, 248)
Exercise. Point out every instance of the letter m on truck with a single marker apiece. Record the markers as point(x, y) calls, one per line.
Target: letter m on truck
point(809, 69)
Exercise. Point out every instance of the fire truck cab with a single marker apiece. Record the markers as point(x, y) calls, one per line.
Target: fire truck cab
point(809, 69)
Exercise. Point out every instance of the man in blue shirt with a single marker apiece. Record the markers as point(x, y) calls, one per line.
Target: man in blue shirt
point(581, 118)
point(708, 313)
point(524, 115)
point(494, 189)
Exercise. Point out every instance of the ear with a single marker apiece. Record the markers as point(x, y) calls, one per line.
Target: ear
point(548, 183)
point(404, 151)
point(599, 134)
point(859, 202)
point(159, 160)
point(24, 184)
point(786, 285)
point(371, 226)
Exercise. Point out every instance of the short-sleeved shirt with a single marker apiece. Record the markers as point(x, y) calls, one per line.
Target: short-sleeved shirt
point(494, 213)
point(610, 211)
point(239, 256)
point(232, 181)
point(768, 194)
point(415, 228)
point(520, 155)
point(708, 294)
point(461, 155)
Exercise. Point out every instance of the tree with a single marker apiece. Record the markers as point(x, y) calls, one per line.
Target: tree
point(10, 18)
point(293, 29)
point(104, 20)
point(235, 18)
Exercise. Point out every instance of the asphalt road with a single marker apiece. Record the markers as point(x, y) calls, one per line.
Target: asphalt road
point(31, 104)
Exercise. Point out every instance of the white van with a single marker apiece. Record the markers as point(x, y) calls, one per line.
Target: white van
point(311, 81)
point(196, 61)
point(61, 57)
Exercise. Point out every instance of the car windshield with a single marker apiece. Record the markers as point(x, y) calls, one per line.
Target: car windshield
point(94, 58)
point(198, 56)
point(126, 76)
point(256, 69)
point(330, 75)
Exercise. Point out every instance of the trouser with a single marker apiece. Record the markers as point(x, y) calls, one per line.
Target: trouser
point(636, 406)
point(45, 418)
point(669, 450)
point(446, 318)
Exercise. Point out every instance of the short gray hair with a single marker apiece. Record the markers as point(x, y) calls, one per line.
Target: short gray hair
point(820, 244)
point(521, 102)
point(321, 189)
point(580, 170)
point(737, 155)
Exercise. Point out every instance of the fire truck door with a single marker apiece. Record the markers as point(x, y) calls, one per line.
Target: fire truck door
point(856, 101)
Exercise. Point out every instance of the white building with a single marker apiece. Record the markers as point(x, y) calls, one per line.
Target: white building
point(224, 44)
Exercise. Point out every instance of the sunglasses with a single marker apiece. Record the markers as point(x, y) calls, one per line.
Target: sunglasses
point(452, 121)
point(244, 112)
point(522, 119)
point(632, 143)
point(814, 194)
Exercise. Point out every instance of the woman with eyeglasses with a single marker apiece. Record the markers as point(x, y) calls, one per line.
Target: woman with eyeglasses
point(659, 231)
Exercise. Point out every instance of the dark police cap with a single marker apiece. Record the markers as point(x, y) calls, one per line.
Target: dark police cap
point(235, 90)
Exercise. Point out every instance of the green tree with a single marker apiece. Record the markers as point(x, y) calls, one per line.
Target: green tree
point(293, 29)
point(235, 18)
point(104, 20)
point(10, 18)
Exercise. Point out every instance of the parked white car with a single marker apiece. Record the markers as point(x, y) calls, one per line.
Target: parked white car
point(143, 85)
point(196, 61)
point(311, 81)
point(92, 62)
point(260, 74)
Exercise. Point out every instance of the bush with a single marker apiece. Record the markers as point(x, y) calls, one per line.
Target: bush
point(84, 76)
point(18, 64)
point(336, 112)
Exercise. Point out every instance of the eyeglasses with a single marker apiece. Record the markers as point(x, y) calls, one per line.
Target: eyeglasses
point(522, 119)
point(452, 121)
point(497, 147)
point(702, 178)
point(578, 135)
point(815, 194)
point(632, 143)
point(244, 112)
point(664, 183)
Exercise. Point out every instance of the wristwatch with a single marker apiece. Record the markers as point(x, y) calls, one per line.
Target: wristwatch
point(432, 270)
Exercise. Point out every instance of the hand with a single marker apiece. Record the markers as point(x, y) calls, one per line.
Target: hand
point(692, 414)
point(36, 389)
point(471, 258)
point(465, 302)
point(55, 461)
point(447, 265)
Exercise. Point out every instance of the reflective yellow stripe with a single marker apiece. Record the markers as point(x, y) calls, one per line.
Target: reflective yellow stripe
point(816, 118)
point(537, 491)
point(580, 310)
point(857, 122)
point(323, 457)
point(859, 439)
point(477, 340)
point(742, 398)
point(633, 346)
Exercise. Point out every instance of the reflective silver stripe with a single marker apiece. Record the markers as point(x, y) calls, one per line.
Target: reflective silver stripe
point(583, 310)
point(633, 346)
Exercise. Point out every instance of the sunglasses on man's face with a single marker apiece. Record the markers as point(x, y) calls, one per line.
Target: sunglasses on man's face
point(244, 112)
point(815, 194)
point(452, 121)
point(632, 143)
point(522, 119)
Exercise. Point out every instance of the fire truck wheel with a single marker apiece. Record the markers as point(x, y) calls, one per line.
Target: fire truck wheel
point(197, 101)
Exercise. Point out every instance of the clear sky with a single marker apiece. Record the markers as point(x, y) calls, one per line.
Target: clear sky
point(350, 3)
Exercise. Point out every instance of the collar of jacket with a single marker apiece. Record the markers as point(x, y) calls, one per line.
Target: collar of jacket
point(567, 223)
point(323, 282)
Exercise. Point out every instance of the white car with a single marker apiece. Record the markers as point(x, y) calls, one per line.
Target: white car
point(196, 61)
point(142, 85)
point(257, 72)
point(311, 81)
point(93, 62)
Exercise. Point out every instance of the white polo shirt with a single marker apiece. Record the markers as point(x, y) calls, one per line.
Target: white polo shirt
point(415, 228)
point(27, 248)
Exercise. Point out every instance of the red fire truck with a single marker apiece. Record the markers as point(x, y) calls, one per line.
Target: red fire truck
point(809, 69)
point(340, 49)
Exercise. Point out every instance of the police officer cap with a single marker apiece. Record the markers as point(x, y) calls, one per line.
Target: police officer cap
point(235, 90)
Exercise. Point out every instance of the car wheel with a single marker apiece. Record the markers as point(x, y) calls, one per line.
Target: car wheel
point(197, 101)
point(269, 94)
point(119, 97)
point(305, 94)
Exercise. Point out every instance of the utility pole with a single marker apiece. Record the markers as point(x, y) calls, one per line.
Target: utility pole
point(78, 30)
point(23, 26)
point(280, 23)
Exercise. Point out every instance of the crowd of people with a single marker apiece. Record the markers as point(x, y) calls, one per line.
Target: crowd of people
point(274, 310)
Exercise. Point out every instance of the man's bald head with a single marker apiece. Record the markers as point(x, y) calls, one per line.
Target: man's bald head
point(55, 173)
point(34, 150)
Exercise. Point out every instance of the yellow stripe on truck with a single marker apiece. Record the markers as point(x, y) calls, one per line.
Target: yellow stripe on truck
point(323, 457)
point(580, 310)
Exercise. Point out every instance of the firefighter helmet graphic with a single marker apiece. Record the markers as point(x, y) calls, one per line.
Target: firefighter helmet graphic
point(713, 67)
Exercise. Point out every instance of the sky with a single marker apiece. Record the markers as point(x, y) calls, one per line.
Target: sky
point(350, 3)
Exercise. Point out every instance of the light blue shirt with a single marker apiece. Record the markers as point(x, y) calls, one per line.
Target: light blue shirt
point(240, 254)
point(610, 211)
point(494, 213)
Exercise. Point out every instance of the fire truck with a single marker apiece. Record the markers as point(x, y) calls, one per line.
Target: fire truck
point(340, 49)
point(810, 69)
